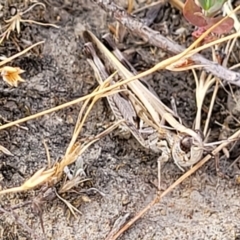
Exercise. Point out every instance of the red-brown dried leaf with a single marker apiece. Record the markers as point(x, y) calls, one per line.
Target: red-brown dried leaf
point(224, 27)
point(193, 13)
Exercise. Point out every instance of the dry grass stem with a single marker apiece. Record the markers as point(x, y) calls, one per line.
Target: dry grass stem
point(73, 151)
point(53, 173)
point(214, 95)
point(203, 85)
point(156, 39)
point(130, 6)
point(9, 59)
point(42, 176)
point(15, 21)
point(158, 66)
point(75, 181)
point(12, 77)
point(69, 205)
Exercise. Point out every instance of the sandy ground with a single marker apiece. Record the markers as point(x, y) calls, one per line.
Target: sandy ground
point(204, 206)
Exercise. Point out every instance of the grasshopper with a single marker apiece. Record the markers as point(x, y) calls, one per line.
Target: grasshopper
point(139, 106)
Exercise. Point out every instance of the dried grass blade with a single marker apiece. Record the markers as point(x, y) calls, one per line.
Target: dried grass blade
point(20, 53)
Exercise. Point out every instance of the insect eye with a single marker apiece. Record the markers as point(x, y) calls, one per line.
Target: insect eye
point(13, 10)
point(86, 51)
point(186, 143)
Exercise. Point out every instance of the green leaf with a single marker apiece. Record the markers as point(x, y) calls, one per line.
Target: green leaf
point(211, 7)
point(205, 4)
point(215, 8)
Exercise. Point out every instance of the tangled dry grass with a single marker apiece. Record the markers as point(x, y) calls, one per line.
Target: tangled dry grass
point(52, 174)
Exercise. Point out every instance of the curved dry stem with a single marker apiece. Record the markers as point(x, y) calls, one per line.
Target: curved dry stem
point(39, 23)
point(33, 6)
point(53, 175)
point(69, 205)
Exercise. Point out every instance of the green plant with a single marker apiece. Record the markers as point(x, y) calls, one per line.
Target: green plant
point(204, 14)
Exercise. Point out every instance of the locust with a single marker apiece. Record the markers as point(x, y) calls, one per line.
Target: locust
point(151, 122)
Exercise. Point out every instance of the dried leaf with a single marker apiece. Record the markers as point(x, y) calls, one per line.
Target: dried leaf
point(11, 75)
point(193, 13)
point(224, 27)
